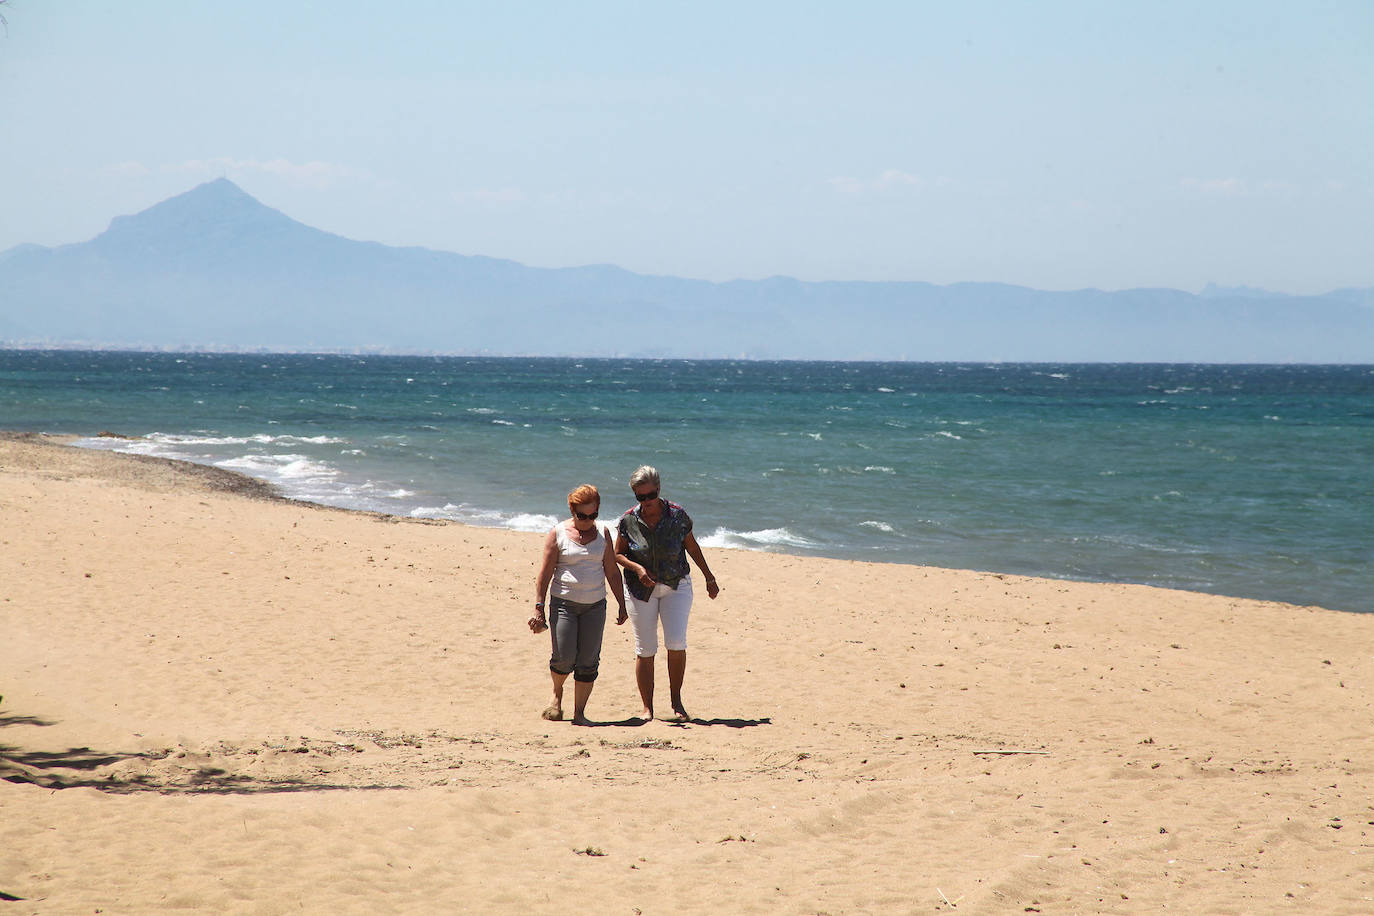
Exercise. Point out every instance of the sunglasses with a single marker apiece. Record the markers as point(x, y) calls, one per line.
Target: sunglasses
point(645, 497)
point(586, 516)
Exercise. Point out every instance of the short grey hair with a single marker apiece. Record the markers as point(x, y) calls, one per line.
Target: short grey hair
point(644, 474)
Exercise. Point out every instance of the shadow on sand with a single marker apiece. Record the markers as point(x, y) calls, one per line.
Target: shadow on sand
point(631, 722)
point(728, 723)
point(75, 768)
point(634, 721)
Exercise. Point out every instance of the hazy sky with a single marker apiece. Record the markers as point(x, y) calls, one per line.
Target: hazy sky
point(1050, 144)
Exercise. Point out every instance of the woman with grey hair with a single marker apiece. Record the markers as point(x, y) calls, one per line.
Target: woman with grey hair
point(652, 545)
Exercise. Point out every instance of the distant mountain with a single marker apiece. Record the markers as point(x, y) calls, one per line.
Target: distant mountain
point(1213, 291)
point(214, 268)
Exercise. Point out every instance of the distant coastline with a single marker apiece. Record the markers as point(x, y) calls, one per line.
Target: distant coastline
point(364, 351)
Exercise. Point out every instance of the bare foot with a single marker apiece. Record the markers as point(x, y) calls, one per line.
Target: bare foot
point(646, 714)
point(554, 713)
point(679, 715)
point(581, 720)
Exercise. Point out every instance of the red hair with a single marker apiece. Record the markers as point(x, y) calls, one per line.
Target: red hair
point(586, 493)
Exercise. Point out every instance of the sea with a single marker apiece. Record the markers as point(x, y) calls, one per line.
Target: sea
point(1248, 481)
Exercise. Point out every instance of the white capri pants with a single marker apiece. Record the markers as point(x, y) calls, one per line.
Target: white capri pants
point(668, 604)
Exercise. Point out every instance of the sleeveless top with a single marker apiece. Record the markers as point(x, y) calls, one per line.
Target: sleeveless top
point(579, 575)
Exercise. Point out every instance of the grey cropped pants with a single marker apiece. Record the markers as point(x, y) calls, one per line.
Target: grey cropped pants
point(576, 630)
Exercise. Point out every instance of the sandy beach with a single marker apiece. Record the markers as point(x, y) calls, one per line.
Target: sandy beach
point(219, 701)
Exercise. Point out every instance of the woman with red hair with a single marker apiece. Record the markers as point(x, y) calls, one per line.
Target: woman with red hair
point(579, 559)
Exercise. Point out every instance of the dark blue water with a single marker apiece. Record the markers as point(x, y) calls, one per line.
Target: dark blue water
point(1253, 481)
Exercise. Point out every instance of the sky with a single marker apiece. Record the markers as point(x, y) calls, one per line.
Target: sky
point(1057, 145)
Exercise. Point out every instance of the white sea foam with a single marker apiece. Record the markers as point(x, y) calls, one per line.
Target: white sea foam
point(445, 511)
point(502, 423)
point(869, 469)
point(298, 476)
point(948, 435)
point(756, 540)
point(887, 390)
point(531, 521)
point(881, 526)
point(256, 439)
point(487, 518)
point(281, 467)
point(132, 446)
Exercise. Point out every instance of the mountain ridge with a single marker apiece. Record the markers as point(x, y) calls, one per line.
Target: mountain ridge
point(214, 267)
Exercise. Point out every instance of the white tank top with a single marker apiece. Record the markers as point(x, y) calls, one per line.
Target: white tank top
point(579, 575)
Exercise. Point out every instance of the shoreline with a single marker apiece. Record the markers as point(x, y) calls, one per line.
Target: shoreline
point(213, 479)
point(230, 481)
point(227, 704)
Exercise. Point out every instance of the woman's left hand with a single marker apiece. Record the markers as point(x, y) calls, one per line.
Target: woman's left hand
point(624, 616)
point(712, 588)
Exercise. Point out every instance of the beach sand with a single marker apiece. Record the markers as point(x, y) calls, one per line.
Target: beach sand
point(223, 702)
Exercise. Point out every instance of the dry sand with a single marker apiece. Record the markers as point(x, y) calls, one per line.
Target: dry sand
point(223, 702)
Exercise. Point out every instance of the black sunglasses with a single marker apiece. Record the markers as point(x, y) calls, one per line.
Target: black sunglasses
point(586, 516)
point(645, 497)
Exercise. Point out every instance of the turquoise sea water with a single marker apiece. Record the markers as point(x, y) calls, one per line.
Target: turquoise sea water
point(1253, 481)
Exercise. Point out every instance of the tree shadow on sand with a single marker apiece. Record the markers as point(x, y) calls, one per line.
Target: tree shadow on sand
point(24, 720)
point(76, 768)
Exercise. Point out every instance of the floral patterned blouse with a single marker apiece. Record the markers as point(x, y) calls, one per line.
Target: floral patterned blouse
point(660, 549)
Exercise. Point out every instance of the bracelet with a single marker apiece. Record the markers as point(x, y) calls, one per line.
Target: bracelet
point(539, 604)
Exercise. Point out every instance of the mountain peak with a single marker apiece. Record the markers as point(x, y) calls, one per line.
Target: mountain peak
point(218, 189)
point(217, 210)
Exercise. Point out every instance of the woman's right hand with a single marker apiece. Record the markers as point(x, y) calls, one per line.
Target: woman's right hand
point(645, 579)
point(538, 624)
